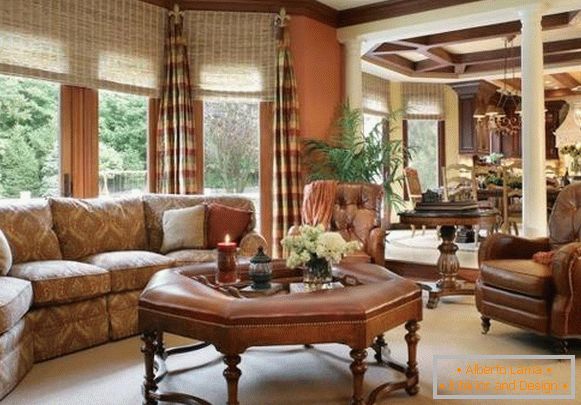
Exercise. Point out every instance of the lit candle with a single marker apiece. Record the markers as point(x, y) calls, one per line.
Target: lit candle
point(226, 262)
point(227, 245)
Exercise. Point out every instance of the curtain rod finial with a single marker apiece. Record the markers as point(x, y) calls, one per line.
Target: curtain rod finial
point(176, 12)
point(282, 18)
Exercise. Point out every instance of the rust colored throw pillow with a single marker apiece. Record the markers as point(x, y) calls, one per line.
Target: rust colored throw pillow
point(223, 220)
point(544, 257)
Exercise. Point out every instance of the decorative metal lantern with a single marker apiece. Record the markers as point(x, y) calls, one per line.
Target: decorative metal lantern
point(260, 271)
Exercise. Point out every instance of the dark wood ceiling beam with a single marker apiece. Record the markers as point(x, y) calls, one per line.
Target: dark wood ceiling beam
point(400, 68)
point(560, 93)
point(565, 45)
point(488, 31)
point(389, 47)
point(566, 80)
point(496, 55)
point(426, 65)
point(548, 60)
point(385, 62)
point(439, 55)
point(391, 9)
point(399, 61)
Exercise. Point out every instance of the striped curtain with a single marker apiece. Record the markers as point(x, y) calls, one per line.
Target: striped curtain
point(287, 175)
point(175, 126)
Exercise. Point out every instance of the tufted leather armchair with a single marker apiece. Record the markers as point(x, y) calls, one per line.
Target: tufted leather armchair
point(543, 298)
point(357, 216)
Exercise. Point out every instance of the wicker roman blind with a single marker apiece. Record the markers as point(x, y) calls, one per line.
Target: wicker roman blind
point(232, 55)
point(423, 101)
point(375, 95)
point(108, 44)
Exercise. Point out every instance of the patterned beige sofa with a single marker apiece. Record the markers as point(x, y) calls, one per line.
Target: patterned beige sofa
point(78, 269)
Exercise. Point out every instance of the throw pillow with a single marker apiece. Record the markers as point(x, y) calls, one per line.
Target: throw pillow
point(5, 255)
point(224, 220)
point(184, 228)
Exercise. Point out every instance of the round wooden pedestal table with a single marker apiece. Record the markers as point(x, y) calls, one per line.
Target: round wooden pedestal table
point(448, 264)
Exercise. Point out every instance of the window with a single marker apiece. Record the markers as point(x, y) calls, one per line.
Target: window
point(29, 146)
point(423, 143)
point(232, 149)
point(370, 121)
point(122, 144)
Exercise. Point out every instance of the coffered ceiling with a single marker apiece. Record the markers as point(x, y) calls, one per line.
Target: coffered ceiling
point(478, 50)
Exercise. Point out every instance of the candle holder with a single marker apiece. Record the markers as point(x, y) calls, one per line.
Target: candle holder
point(226, 262)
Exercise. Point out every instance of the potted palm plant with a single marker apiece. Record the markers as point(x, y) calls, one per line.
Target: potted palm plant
point(352, 156)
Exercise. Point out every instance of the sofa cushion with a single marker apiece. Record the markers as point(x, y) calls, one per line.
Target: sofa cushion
point(223, 220)
point(63, 281)
point(88, 227)
point(184, 228)
point(5, 255)
point(130, 270)
point(189, 256)
point(28, 229)
point(15, 301)
point(522, 276)
point(156, 204)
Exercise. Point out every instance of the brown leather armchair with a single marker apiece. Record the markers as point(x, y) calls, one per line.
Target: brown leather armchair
point(514, 289)
point(357, 216)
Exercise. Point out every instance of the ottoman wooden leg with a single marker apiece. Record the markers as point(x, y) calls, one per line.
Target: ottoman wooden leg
point(148, 350)
point(159, 346)
point(412, 339)
point(232, 374)
point(358, 368)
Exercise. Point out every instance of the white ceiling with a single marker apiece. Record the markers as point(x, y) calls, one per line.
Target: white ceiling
point(344, 4)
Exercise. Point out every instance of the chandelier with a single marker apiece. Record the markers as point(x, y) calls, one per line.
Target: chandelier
point(503, 118)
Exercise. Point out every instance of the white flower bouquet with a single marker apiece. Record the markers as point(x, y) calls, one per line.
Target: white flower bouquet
point(313, 247)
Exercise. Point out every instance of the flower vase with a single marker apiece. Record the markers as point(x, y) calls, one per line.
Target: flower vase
point(317, 274)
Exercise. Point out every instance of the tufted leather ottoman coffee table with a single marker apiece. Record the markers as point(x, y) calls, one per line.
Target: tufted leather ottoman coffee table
point(374, 300)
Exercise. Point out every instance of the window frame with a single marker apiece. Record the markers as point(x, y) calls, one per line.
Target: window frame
point(441, 134)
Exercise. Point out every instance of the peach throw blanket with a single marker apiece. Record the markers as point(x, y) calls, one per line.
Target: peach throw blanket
point(318, 202)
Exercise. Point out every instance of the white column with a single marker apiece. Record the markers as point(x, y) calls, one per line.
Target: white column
point(533, 124)
point(353, 78)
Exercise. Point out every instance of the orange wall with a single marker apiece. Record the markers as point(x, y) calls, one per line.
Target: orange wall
point(318, 67)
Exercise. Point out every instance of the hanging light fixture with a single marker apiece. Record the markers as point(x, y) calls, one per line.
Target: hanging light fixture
point(569, 132)
point(504, 117)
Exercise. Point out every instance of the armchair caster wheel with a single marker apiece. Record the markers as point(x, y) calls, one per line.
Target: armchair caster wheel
point(485, 322)
point(563, 346)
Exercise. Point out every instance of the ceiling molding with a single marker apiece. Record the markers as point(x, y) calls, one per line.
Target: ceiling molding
point(307, 8)
point(390, 9)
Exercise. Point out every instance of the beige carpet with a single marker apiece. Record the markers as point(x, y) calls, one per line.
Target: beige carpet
point(111, 374)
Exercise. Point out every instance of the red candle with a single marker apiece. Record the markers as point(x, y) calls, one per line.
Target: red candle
point(226, 262)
